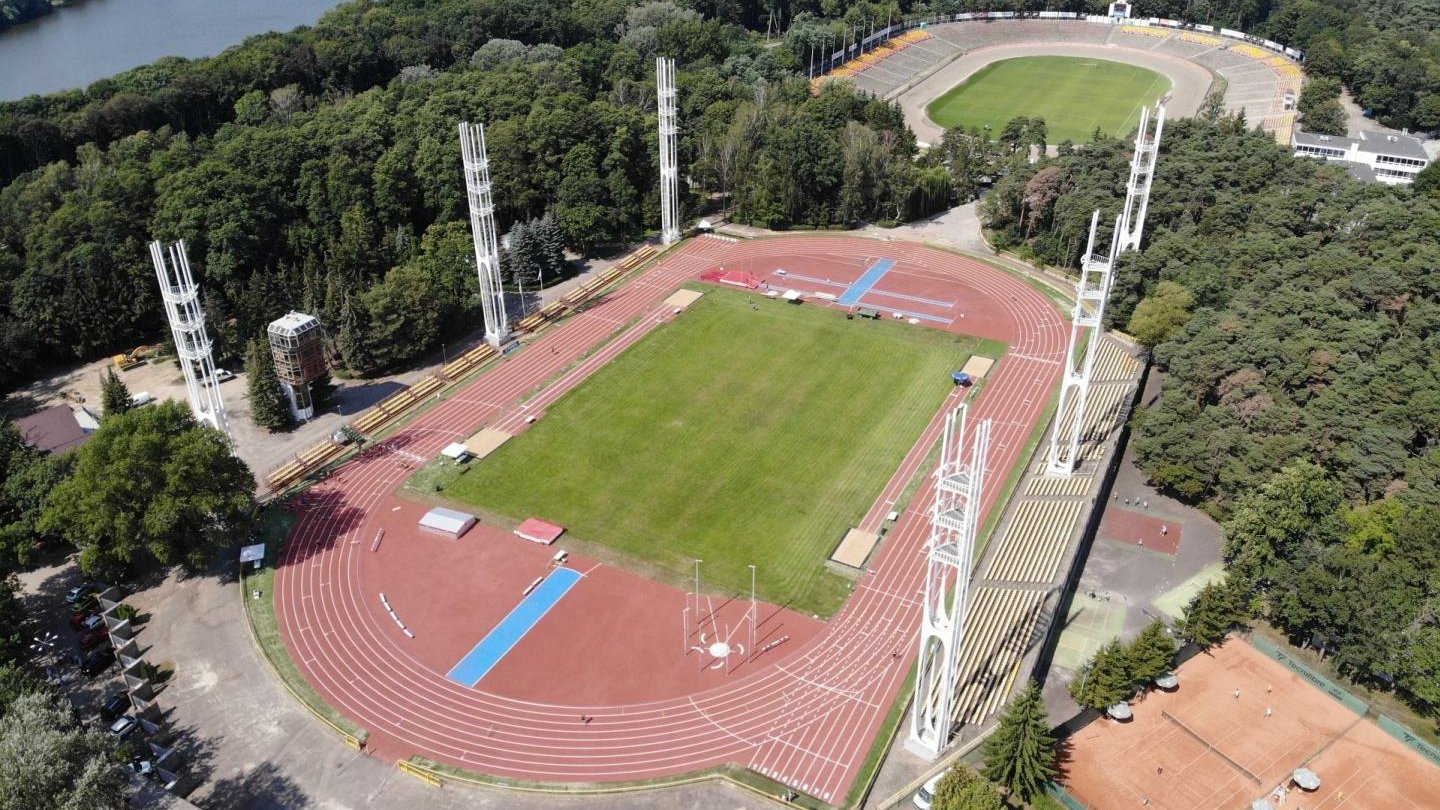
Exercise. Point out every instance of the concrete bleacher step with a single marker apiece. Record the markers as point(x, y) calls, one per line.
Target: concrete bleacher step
point(990, 656)
point(1035, 541)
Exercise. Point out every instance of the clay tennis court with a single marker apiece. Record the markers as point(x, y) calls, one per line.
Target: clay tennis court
point(1203, 747)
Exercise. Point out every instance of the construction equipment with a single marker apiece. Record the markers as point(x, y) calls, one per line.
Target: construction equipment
point(134, 357)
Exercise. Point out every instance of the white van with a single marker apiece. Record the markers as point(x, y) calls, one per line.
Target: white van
point(142, 398)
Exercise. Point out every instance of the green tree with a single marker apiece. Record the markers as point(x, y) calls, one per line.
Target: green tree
point(1320, 108)
point(1420, 675)
point(580, 203)
point(269, 407)
point(963, 789)
point(403, 317)
point(536, 253)
point(1105, 680)
point(14, 622)
point(114, 393)
point(27, 477)
point(1298, 508)
point(1212, 612)
point(1013, 134)
point(1427, 182)
point(48, 761)
point(153, 483)
point(1020, 753)
point(1161, 314)
point(1152, 652)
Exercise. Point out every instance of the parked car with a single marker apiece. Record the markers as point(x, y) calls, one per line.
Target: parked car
point(116, 705)
point(925, 796)
point(97, 661)
point(93, 638)
point(79, 617)
point(142, 398)
point(93, 622)
point(221, 375)
point(124, 726)
point(78, 593)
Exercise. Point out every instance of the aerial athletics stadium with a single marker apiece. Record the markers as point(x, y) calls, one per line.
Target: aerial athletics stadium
point(747, 508)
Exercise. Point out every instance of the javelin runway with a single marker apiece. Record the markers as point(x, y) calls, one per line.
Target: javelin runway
point(579, 700)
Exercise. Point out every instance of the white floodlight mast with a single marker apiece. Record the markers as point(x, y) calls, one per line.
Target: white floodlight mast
point(666, 96)
point(1091, 293)
point(187, 326)
point(954, 519)
point(482, 229)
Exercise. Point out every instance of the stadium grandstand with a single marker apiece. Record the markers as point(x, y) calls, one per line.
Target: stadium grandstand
point(1259, 77)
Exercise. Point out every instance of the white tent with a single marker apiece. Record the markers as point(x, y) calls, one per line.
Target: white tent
point(447, 521)
point(455, 450)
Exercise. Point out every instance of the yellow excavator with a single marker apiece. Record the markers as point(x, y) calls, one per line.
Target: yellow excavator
point(134, 357)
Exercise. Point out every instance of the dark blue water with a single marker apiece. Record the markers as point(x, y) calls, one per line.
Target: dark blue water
point(97, 38)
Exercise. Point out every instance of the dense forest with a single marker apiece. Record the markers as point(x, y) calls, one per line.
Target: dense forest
point(14, 12)
point(320, 170)
point(1299, 335)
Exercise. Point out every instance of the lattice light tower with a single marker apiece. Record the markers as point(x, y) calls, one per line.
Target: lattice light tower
point(1091, 293)
point(187, 325)
point(482, 229)
point(669, 169)
point(954, 518)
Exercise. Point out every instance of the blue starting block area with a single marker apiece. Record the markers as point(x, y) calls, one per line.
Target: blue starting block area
point(498, 642)
point(862, 285)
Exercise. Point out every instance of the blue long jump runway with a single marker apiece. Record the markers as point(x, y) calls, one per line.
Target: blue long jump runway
point(479, 661)
point(863, 284)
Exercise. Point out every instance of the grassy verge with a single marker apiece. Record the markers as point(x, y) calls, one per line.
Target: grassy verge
point(749, 780)
point(889, 730)
point(272, 529)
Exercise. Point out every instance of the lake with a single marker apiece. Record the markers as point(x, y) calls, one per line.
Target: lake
point(97, 38)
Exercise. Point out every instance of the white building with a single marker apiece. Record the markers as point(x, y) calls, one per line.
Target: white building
point(1394, 159)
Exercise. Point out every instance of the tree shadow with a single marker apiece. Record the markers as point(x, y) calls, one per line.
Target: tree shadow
point(196, 753)
point(264, 787)
point(352, 399)
point(1064, 758)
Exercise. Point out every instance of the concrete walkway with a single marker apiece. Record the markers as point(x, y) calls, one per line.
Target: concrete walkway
point(1124, 585)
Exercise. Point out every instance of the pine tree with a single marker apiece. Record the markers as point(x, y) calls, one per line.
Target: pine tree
point(114, 394)
point(963, 789)
point(268, 406)
point(322, 391)
point(1105, 680)
point(1020, 754)
point(355, 353)
point(551, 241)
point(1151, 653)
point(1210, 615)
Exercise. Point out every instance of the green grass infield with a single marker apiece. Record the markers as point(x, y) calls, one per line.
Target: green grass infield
point(734, 435)
point(1074, 95)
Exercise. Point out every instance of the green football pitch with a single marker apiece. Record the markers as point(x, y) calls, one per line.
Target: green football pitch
point(1074, 95)
point(732, 435)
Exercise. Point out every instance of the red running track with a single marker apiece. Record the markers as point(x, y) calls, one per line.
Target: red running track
point(804, 713)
